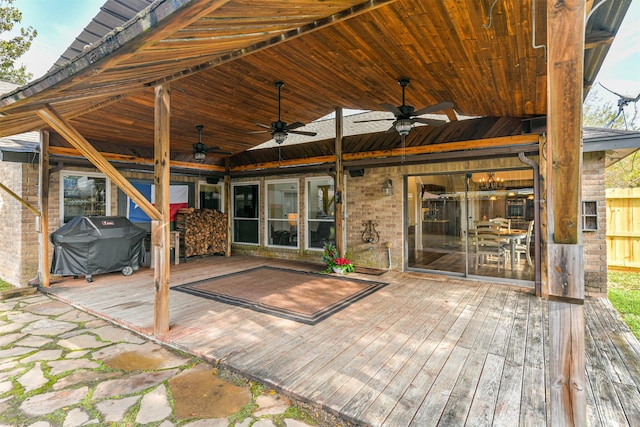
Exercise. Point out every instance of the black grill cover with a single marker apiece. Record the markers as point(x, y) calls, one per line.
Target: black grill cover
point(97, 244)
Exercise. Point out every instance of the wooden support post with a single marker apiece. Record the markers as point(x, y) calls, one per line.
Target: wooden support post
point(565, 38)
point(43, 204)
point(339, 181)
point(228, 207)
point(160, 227)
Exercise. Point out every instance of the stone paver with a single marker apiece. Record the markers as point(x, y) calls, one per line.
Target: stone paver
point(113, 410)
point(154, 406)
point(79, 370)
point(33, 379)
point(46, 403)
point(271, 405)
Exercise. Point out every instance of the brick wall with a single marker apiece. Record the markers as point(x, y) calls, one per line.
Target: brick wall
point(594, 242)
point(364, 202)
point(10, 223)
point(18, 224)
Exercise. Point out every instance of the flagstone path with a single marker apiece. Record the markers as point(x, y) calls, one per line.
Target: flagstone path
point(60, 366)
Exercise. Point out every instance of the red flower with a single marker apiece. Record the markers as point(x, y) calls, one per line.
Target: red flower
point(342, 261)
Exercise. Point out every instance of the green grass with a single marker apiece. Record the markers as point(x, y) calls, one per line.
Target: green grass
point(4, 286)
point(624, 294)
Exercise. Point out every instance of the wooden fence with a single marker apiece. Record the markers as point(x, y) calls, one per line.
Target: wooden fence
point(623, 228)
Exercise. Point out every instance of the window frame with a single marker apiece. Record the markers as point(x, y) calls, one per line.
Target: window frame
point(233, 212)
point(205, 184)
point(268, 218)
point(65, 173)
point(307, 211)
point(592, 216)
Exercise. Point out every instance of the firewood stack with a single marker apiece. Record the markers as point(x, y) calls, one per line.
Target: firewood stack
point(204, 231)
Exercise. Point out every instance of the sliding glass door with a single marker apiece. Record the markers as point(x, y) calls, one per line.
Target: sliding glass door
point(447, 216)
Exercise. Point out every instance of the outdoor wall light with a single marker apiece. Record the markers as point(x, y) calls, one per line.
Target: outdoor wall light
point(387, 187)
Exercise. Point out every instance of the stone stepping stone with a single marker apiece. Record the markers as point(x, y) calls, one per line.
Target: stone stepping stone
point(33, 379)
point(132, 384)
point(47, 403)
point(48, 327)
point(81, 342)
point(154, 406)
point(114, 410)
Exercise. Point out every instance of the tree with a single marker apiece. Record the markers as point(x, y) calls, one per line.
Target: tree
point(625, 173)
point(12, 48)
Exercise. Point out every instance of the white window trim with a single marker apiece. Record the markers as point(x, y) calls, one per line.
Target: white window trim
point(233, 211)
point(306, 209)
point(222, 195)
point(266, 211)
point(66, 172)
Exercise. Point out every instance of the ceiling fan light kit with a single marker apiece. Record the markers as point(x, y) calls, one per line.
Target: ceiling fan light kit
point(279, 129)
point(200, 150)
point(406, 116)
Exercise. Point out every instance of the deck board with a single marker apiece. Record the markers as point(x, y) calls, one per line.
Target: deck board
point(422, 351)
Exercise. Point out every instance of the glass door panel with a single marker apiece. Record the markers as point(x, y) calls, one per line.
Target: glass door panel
point(472, 224)
point(436, 238)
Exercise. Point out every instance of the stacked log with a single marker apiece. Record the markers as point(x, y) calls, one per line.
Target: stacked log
point(204, 231)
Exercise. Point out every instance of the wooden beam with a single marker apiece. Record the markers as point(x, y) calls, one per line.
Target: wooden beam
point(339, 182)
point(68, 132)
point(565, 38)
point(123, 158)
point(43, 203)
point(396, 152)
point(20, 199)
point(160, 227)
point(598, 38)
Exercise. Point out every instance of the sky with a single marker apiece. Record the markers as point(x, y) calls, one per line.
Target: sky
point(59, 22)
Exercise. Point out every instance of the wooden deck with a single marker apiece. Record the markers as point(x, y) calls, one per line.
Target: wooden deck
point(423, 351)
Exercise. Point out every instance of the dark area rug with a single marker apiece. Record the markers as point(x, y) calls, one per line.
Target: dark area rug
point(291, 294)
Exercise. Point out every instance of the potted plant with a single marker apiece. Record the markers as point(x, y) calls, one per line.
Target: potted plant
point(333, 262)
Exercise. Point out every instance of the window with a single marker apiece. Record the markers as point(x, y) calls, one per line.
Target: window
point(321, 209)
point(83, 194)
point(282, 213)
point(210, 197)
point(589, 216)
point(246, 215)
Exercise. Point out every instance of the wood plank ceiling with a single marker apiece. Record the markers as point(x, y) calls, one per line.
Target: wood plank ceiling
point(222, 59)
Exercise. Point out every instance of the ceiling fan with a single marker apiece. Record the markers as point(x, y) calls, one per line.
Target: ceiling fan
point(200, 150)
point(280, 129)
point(406, 116)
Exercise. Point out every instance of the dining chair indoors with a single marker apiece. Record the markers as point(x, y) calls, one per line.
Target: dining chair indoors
point(489, 245)
point(524, 248)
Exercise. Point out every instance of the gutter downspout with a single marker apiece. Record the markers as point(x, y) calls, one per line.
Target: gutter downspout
point(536, 218)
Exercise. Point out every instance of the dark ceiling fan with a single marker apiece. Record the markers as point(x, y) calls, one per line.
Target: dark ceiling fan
point(280, 129)
point(200, 150)
point(406, 116)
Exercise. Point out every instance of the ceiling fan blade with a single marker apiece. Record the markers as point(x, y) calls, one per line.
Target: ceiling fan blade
point(373, 120)
point(432, 122)
point(262, 125)
point(220, 152)
point(216, 149)
point(258, 131)
point(438, 107)
point(301, 132)
point(295, 125)
point(391, 108)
